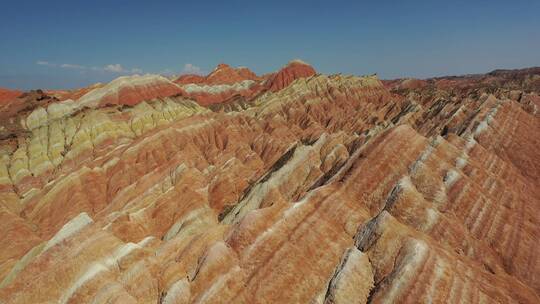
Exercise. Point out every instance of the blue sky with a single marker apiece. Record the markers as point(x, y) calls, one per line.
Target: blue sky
point(68, 44)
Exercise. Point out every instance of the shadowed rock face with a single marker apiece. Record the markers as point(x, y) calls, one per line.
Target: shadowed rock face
point(330, 189)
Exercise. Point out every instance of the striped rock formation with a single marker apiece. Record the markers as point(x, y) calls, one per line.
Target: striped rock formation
point(223, 83)
point(227, 88)
point(325, 189)
point(284, 77)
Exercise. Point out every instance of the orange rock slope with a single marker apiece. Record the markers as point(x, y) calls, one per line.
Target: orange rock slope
point(319, 189)
point(6, 95)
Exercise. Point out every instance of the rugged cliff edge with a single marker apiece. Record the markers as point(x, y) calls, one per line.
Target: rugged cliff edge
point(295, 187)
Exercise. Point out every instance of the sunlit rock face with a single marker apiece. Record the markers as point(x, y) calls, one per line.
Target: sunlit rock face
point(326, 189)
point(289, 73)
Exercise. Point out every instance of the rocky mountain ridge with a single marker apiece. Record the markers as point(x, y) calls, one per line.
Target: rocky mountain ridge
point(306, 188)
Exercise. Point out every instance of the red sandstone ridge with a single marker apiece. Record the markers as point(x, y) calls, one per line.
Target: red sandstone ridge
point(408, 83)
point(331, 190)
point(7, 94)
point(222, 84)
point(225, 74)
point(190, 78)
point(232, 86)
point(246, 73)
point(222, 74)
point(130, 90)
point(292, 71)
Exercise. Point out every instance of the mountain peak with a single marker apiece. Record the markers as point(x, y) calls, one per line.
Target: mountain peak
point(225, 74)
point(222, 66)
point(297, 61)
point(293, 70)
point(230, 198)
point(130, 90)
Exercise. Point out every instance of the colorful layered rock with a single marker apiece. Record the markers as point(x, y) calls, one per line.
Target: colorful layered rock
point(227, 88)
point(321, 189)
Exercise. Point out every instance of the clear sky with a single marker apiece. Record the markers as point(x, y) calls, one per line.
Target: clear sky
point(67, 44)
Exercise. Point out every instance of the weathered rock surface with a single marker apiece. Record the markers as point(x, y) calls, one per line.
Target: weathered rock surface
point(225, 74)
point(319, 189)
point(73, 94)
point(6, 95)
point(289, 73)
point(130, 90)
point(227, 88)
point(221, 85)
